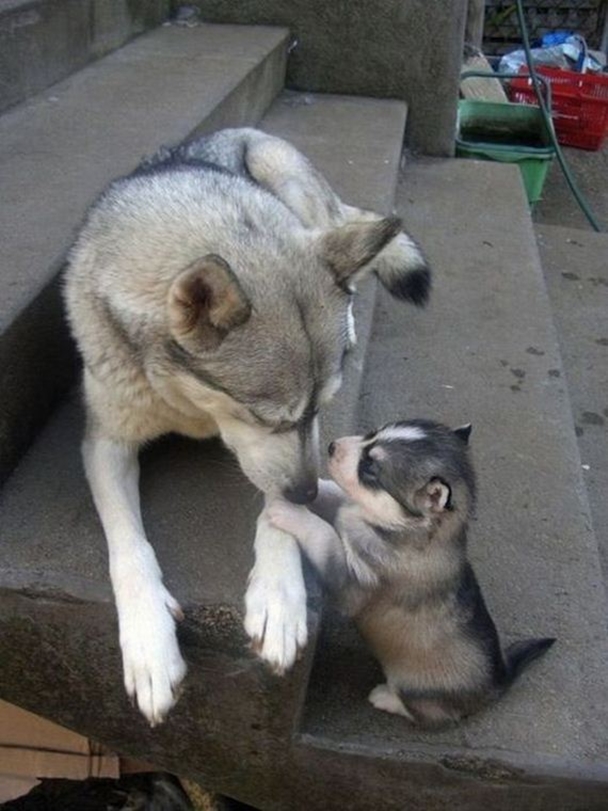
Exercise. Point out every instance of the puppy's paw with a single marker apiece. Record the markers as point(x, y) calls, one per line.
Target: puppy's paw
point(275, 619)
point(152, 663)
point(288, 517)
point(383, 698)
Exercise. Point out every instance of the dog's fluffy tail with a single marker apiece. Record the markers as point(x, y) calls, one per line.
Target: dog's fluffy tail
point(521, 654)
point(403, 270)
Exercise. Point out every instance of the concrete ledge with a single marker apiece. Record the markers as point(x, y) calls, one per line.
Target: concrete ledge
point(575, 264)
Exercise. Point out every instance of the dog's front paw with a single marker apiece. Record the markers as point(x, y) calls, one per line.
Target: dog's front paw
point(286, 516)
point(275, 619)
point(152, 663)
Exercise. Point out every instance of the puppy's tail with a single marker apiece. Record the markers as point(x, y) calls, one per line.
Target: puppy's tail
point(404, 271)
point(521, 654)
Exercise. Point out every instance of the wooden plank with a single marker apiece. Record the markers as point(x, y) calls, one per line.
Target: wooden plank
point(480, 88)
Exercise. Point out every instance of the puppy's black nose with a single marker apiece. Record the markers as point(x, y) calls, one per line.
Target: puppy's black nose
point(331, 448)
point(302, 493)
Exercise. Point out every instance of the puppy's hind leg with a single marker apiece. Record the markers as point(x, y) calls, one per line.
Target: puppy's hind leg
point(153, 666)
point(384, 698)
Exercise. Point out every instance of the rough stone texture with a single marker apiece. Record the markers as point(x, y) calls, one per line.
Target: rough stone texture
point(486, 352)
point(403, 49)
point(58, 151)
point(43, 41)
point(575, 264)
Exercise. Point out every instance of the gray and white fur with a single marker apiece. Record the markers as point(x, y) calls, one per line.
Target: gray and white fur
point(388, 537)
point(210, 292)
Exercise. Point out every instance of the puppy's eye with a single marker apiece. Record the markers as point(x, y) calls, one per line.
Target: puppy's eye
point(367, 469)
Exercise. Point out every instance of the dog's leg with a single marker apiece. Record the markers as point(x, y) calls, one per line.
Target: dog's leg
point(318, 539)
point(275, 602)
point(153, 666)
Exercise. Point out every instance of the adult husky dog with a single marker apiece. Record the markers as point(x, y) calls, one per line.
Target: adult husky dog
point(209, 293)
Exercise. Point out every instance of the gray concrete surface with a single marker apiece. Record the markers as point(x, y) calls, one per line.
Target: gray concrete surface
point(558, 206)
point(575, 263)
point(43, 41)
point(486, 352)
point(59, 149)
point(402, 49)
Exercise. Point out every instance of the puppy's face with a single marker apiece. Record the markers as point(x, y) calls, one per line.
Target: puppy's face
point(407, 474)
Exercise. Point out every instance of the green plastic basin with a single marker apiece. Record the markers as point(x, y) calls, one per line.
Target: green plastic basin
point(509, 133)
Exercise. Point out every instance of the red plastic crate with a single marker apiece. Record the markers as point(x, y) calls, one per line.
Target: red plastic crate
point(579, 104)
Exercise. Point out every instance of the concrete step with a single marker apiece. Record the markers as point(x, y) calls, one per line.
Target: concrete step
point(232, 728)
point(575, 263)
point(43, 41)
point(57, 152)
point(486, 351)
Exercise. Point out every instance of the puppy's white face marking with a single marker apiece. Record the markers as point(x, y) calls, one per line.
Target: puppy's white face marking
point(377, 505)
point(405, 433)
point(378, 453)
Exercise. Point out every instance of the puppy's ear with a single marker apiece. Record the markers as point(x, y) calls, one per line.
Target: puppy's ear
point(205, 302)
point(464, 432)
point(351, 247)
point(436, 496)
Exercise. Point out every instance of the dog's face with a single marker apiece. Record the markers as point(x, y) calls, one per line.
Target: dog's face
point(407, 474)
point(267, 354)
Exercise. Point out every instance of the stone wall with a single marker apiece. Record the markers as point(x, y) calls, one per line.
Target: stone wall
point(43, 41)
point(404, 49)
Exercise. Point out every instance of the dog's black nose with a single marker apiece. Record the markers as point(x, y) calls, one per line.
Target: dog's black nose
point(331, 448)
point(301, 493)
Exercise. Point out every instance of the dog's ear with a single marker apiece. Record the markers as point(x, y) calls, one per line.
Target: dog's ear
point(464, 432)
point(436, 496)
point(351, 247)
point(205, 302)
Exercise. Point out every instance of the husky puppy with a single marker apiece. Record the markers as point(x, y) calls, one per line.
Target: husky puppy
point(394, 555)
point(210, 293)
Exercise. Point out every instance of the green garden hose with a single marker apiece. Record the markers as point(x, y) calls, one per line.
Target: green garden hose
point(578, 195)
